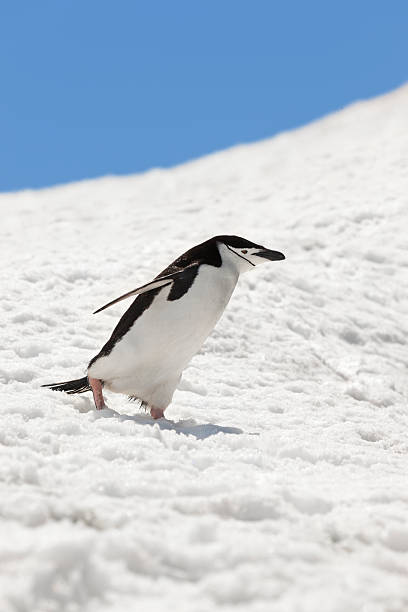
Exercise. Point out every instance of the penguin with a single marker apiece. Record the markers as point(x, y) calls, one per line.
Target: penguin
point(167, 323)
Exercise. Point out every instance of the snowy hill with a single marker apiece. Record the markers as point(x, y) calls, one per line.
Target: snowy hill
point(279, 480)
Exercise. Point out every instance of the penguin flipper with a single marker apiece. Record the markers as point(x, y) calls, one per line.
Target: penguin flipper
point(156, 283)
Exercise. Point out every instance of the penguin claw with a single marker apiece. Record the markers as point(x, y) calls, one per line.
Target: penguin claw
point(156, 413)
point(102, 407)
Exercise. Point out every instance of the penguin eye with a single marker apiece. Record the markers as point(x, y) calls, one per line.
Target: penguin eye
point(244, 251)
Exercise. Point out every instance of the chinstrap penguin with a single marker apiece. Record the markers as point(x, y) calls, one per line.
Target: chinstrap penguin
point(168, 322)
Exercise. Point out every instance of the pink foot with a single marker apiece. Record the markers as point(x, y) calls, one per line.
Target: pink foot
point(96, 387)
point(156, 413)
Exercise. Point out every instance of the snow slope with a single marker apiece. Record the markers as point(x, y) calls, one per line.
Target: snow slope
point(279, 481)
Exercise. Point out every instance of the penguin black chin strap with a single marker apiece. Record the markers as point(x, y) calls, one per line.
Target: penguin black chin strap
point(241, 256)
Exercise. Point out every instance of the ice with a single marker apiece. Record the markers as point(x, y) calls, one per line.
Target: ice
point(278, 479)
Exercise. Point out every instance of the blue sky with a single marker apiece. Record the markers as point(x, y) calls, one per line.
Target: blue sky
point(94, 87)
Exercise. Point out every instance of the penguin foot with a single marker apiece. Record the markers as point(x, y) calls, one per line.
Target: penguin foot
point(96, 387)
point(156, 413)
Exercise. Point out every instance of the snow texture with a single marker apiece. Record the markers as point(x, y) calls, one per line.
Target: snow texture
point(279, 479)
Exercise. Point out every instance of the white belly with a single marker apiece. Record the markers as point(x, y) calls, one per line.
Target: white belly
point(148, 361)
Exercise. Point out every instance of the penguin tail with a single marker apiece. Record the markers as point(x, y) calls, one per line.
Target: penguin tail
point(80, 385)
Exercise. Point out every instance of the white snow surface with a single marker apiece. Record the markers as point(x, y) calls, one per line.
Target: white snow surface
point(279, 479)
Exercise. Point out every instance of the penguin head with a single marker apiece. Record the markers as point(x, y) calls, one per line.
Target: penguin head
point(244, 254)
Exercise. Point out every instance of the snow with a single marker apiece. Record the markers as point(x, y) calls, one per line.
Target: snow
point(279, 479)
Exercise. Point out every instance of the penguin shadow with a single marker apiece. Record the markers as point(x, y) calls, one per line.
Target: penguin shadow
point(189, 427)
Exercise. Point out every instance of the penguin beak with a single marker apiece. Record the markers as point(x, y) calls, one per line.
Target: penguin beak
point(271, 255)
